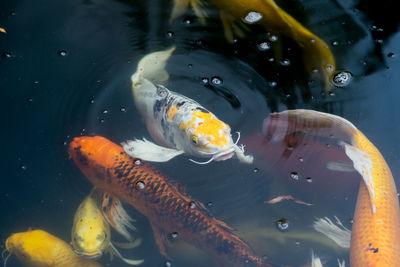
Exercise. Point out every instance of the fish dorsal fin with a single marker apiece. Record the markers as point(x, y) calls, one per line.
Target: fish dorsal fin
point(114, 252)
point(116, 215)
point(149, 151)
point(363, 164)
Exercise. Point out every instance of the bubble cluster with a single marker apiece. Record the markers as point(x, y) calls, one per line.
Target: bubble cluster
point(252, 17)
point(341, 79)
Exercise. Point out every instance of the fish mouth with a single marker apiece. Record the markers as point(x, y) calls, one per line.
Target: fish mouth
point(88, 255)
point(224, 155)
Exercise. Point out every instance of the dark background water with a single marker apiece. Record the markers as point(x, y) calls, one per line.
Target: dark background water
point(48, 98)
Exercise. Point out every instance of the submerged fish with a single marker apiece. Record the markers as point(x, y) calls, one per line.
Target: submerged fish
point(179, 124)
point(91, 232)
point(316, 53)
point(40, 249)
point(375, 236)
point(164, 202)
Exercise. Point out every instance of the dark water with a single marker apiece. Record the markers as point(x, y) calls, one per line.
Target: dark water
point(65, 70)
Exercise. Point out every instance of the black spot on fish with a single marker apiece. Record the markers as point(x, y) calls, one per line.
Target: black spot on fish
point(203, 110)
point(180, 104)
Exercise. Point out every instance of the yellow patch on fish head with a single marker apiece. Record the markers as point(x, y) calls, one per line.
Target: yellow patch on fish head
point(206, 131)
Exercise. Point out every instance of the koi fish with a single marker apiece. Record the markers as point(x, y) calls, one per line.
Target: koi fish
point(375, 236)
point(41, 249)
point(91, 234)
point(164, 202)
point(179, 124)
point(234, 13)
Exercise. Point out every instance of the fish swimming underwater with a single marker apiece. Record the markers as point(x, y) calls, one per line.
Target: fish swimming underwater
point(375, 236)
point(91, 234)
point(179, 124)
point(316, 53)
point(38, 248)
point(164, 202)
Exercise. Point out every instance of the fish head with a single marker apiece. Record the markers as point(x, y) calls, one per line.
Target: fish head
point(90, 232)
point(207, 136)
point(94, 156)
point(34, 247)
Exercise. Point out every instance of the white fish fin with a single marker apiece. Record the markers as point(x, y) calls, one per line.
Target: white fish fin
point(199, 10)
point(341, 263)
point(152, 67)
point(113, 251)
point(149, 151)
point(337, 232)
point(129, 245)
point(315, 260)
point(339, 166)
point(363, 164)
point(116, 215)
point(239, 151)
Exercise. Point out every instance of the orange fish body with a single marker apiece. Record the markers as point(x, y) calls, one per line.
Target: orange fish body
point(165, 203)
point(375, 237)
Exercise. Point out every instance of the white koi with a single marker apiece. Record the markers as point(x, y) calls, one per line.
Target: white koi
point(177, 123)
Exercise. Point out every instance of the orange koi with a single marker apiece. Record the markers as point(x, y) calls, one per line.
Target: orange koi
point(163, 201)
point(375, 237)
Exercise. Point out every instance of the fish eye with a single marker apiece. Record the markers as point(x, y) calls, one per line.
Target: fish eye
point(195, 140)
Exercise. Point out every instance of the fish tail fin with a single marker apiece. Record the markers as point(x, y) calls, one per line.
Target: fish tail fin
point(116, 215)
point(337, 232)
point(315, 260)
point(129, 245)
point(114, 252)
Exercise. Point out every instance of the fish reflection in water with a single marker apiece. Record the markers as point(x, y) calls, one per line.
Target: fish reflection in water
point(163, 201)
point(375, 237)
point(317, 55)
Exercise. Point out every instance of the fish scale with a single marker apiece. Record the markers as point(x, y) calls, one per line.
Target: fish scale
point(163, 201)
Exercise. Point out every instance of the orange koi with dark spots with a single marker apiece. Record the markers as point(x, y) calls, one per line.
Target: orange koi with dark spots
point(163, 201)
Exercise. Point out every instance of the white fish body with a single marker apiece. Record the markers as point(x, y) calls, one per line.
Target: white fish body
point(177, 123)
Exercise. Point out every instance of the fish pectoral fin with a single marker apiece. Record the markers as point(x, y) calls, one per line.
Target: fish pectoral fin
point(114, 252)
point(363, 164)
point(116, 215)
point(149, 151)
point(158, 237)
point(180, 7)
point(335, 231)
point(239, 152)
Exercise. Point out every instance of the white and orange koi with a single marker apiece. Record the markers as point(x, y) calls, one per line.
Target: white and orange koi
point(177, 123)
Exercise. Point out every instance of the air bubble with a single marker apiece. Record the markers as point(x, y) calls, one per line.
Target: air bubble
point(187, 21)
point(341, 79)
point(174, 235)
point(285, 62)
point(301, 159)
point(309, 180)
point(168, 264)
point(391, 54)
point(23, 167)
point(170, 34)
point(255, 170)
point(138, 162)
point(8, 54)
point(140, 185)
point(294, 175)
point(192, 205)
point(105, 111)
point(282, 225)
point(335, 43)
point(204, 80)
point(264, 46)
point(216, 80)
point(252, 17)
point(123, 109)
point(273, 38)
point(63, 53)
